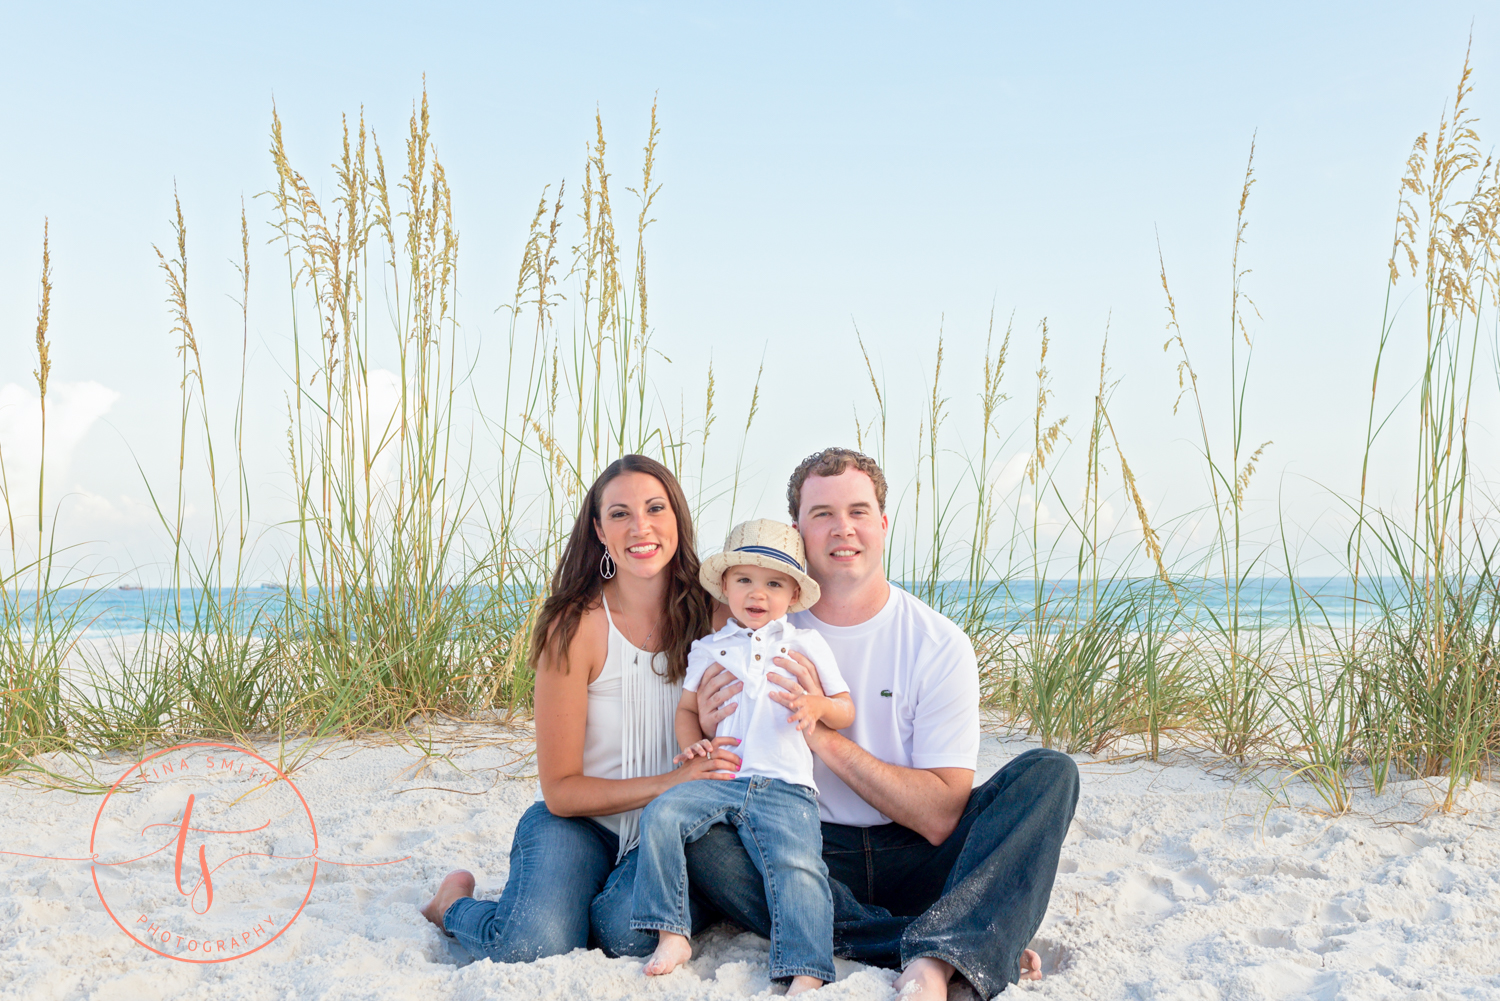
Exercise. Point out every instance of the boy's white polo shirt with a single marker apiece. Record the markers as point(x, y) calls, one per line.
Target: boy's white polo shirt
point(769, 745)
point(915, 685)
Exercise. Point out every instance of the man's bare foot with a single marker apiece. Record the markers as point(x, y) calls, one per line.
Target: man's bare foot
point(672, 950)
point(926, 978)
point(458, 883)
point(801, 985)
point(931, 976)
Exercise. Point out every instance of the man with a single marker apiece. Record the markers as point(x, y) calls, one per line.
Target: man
point(928, 874)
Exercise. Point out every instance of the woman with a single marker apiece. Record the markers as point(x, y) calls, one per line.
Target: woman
point(609, 652)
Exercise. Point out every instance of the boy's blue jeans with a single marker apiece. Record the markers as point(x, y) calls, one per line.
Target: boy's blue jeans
point(778, 827)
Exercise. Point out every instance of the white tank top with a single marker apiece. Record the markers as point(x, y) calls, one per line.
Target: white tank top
point(628, 732)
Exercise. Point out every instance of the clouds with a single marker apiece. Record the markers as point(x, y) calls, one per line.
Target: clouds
point(73, 408)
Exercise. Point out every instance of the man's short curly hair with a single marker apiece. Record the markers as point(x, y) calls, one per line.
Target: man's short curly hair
point(832, 462)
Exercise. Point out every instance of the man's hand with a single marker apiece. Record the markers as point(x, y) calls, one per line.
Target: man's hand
point(806, 707)
point(835, 712)
point(803, 695)
point(806, 675)
point(715, 690)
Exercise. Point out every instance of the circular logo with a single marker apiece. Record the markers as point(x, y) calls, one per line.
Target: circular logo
point(204, 852)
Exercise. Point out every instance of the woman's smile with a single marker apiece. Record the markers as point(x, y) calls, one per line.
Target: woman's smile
point(638, 527)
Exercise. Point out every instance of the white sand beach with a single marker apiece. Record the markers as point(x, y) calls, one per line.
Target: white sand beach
point(1178, 880)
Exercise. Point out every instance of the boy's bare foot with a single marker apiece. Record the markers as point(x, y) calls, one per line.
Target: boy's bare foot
point(1031, 966)
point(800, 985)
point(672, 950)
point(926, 978)
point(458, 883)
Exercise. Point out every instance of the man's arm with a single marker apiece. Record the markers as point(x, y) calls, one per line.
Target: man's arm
point(929, 801)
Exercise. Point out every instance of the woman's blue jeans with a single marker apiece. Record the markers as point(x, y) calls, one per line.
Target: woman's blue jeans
point(559, 868)
point(778, 827)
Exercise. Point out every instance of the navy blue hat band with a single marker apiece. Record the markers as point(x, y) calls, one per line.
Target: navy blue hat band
point(768, 551)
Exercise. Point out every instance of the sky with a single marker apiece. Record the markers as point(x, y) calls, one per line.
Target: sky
point(902, 169)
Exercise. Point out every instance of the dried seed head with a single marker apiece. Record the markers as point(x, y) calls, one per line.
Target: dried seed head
point(1243, 480)
point(44, 315)
point(708, 406)
point(1148, 534)
point(1406, 210)
point(1044, 441)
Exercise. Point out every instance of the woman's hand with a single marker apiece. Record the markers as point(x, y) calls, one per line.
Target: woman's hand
point(714, 692)
point(717, 762)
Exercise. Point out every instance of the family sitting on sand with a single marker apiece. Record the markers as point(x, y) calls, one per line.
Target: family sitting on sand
point(798, 687)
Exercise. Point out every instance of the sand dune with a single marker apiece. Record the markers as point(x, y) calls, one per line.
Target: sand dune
point(1178, 880)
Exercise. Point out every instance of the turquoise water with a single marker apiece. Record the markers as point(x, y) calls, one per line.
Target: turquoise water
point(1265, 601)
point(1198, 602)
point(126, 611)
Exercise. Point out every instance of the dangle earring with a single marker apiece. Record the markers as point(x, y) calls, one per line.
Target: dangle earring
point(606, 566)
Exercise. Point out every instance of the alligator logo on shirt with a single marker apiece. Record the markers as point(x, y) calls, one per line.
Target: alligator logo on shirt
point(885, 693)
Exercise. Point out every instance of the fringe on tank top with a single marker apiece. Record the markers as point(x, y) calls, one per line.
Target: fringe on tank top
point(647, 737)
point(648, 740)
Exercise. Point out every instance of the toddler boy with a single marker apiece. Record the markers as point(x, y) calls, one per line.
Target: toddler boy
point(772, 802)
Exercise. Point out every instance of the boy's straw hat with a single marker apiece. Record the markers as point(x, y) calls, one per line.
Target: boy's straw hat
point(762, 543)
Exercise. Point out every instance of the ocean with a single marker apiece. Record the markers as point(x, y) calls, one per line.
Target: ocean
point(1197, 603)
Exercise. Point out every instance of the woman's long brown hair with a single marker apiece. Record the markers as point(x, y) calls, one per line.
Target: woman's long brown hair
point(576, 583)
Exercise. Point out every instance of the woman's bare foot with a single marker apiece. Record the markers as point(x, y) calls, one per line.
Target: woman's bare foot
point(801, 985)
point(672, 950)
point(458, 883)
point(1031, 966)
point(926, 978)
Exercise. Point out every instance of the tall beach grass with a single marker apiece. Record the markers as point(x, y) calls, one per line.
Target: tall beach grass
point(414, 559)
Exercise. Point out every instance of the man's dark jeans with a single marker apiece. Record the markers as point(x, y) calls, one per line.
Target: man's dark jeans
point(974, 901)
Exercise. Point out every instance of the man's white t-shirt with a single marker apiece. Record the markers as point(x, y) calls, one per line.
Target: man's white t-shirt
point(769, 745)
point(915, 684)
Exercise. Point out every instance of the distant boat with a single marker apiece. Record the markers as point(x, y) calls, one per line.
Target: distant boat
point(274, 587)
point(131, 587)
